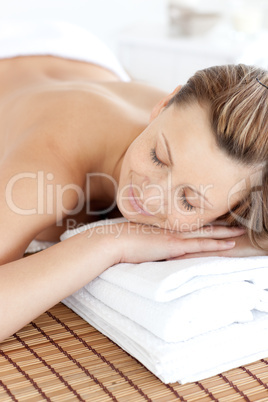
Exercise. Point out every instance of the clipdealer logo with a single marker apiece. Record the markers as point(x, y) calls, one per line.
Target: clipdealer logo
point(47, 196)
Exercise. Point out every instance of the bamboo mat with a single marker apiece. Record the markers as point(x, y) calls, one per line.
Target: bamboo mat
point(60, 357)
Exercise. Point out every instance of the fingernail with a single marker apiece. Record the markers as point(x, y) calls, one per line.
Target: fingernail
point(230, 243)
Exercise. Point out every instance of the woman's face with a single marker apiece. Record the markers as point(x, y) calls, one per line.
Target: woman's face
point(174, 175)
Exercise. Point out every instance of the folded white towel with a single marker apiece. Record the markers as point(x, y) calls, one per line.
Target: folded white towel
point(168, 280)
point(192, 360)
point(182, 318)
point(188, 316)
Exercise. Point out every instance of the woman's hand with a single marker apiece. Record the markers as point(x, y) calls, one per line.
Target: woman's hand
point(136, 243)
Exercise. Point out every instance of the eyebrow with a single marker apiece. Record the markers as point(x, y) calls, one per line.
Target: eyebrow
point(168, 150)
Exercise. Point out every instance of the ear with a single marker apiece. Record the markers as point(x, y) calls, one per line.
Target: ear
point(163, 103)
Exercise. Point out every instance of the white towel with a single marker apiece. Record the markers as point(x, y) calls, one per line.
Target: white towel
point(187, 316)
point(56, 38)
point(38, 245)
point(167, 280)
point(192, 360)
point(161, 312)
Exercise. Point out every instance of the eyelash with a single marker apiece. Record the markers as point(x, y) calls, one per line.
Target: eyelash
point(155, 158)
point(185, 203)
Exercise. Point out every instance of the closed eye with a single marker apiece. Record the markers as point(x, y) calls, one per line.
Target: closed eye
point(185, 203)
point(155, 158)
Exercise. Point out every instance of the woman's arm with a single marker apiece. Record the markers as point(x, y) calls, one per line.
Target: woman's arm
point(31, 285)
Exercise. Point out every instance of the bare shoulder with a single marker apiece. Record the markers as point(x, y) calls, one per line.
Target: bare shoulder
point(51, 123)
point(74, 119)
point(62, 129)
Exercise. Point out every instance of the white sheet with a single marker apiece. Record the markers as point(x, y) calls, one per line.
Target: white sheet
point(56, 38)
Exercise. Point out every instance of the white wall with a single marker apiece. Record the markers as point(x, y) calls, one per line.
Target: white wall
point(105, 18)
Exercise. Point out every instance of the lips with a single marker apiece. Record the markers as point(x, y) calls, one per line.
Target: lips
point(135, 203)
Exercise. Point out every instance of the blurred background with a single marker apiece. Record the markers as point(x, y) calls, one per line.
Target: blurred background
point(162, 42)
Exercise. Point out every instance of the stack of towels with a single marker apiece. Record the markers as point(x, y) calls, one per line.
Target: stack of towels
point(185, 320)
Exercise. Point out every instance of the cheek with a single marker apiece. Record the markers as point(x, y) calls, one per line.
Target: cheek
point(139, 159)
point(178, 217)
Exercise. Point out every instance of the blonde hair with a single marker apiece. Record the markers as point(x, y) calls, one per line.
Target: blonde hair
point(238, 105)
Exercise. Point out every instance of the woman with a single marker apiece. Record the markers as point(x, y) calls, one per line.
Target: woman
point(74, 138)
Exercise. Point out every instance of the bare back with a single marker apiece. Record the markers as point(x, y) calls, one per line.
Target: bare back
point(59, 121)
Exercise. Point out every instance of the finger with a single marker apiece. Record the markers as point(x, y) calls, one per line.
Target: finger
point(215, 232)
point(201, 245)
